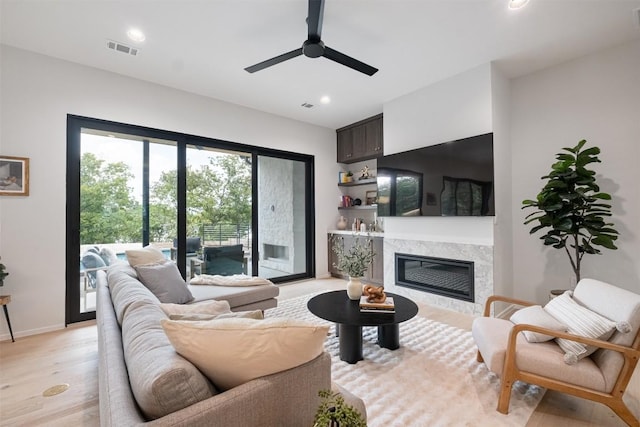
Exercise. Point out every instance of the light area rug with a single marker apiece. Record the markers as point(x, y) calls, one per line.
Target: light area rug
point(433, 379)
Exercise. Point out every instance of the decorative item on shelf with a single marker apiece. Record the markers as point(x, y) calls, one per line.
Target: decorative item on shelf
point(349, 176)
point(364, 173)
point(342, 223)
point(353, 261)
point(347, 201)
point(357, 202)
point(573, 208)
point(334, 412)
point(371, 197)
point(363, 227)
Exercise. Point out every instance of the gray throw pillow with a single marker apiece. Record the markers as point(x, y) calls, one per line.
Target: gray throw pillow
point(165, 281)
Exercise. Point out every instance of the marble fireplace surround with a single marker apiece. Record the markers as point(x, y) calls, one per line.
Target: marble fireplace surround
point(481, 255)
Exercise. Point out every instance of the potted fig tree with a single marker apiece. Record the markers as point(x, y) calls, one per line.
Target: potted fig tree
point(571, 209)
point(3, 274)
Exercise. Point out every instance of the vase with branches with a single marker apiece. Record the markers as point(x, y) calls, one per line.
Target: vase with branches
point(353, 261)
point(572, 209)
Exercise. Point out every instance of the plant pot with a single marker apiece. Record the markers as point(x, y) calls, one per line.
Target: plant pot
point(354, 288)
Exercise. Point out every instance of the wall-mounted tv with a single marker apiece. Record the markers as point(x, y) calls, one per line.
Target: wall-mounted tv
point(450, 179)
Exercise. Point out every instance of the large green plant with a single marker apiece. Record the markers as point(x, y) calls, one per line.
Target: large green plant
point(570, 207)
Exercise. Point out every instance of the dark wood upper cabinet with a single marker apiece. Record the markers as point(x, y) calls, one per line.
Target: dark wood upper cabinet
point(361, 140)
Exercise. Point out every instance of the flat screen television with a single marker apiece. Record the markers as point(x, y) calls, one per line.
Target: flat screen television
point(450, 179)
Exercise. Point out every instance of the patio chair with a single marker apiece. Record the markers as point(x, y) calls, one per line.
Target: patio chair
point(601, 376)
point(193, 246)
point(223, 260)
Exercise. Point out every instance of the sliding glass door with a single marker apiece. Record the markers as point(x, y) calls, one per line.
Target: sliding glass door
point(211, 206)
point(282, 218)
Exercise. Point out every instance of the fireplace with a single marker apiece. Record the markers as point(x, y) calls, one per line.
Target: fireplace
point(448, 277)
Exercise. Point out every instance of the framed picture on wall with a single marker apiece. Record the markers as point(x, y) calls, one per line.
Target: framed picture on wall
point(14, 176)
point(371, 197)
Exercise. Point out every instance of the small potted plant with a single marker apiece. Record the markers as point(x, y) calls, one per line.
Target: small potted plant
point(333, 412)
point(349, 176)
point(3, 274)
point(354, 261)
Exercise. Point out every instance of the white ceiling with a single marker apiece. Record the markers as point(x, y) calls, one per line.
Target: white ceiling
point(204, 46)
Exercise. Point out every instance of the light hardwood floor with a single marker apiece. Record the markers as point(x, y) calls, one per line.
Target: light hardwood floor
point(33, 364)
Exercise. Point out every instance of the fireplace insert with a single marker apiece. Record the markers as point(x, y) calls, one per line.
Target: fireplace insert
point(448, 277)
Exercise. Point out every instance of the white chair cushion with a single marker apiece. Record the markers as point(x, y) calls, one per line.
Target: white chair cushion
point(492, 335)
point(580, 321)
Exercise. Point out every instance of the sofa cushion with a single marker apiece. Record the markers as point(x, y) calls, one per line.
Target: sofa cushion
point(203, 307)
point(165, 281)
point(255, 314)
point(231, 352)
point(546, 358)
point(580, 321)
point(162, 381)
point(126, 289)
point(236, 296)
point(535, 315)
point(146, 255)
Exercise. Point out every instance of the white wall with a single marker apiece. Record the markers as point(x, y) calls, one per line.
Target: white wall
point(503, 230)
point(596, 98)
point(455, 108)
point(37, 94)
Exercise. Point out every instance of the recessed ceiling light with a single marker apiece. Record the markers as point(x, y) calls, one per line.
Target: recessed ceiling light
point(136, 35)
point(517, 4)
point(325, 99)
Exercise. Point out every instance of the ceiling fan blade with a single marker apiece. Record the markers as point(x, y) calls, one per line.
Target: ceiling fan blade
point(273, 61)
point(348, 61)
point(314, 20)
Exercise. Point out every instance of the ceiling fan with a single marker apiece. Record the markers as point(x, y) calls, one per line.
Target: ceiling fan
point(313, 47)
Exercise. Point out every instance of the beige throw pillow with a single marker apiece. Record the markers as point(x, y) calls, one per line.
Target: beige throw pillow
point(535, 315)
point(146, 255)
point(231, 352)
point(212, 307)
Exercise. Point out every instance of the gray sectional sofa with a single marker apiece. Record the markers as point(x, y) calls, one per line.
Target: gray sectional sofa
point(143, 381)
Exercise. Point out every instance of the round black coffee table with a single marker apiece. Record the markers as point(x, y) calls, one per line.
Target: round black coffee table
point(338, 308)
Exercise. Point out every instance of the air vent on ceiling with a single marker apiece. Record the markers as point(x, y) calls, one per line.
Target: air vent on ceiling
point(119, 47)
point(306, 105)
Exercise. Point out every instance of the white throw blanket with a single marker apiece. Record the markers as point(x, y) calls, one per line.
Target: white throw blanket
point(235, 280)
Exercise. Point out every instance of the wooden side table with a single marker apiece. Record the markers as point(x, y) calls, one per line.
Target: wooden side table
point(4, 300)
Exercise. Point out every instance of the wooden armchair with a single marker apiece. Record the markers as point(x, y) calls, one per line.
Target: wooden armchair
point(602, 377)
